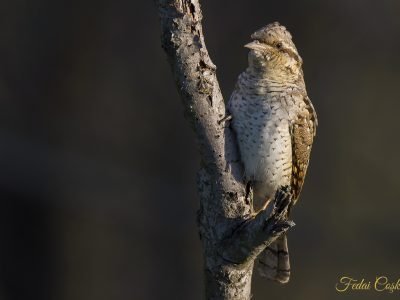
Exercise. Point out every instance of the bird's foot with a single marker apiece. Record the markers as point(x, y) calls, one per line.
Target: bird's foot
point(282, 204)
point(227, 118)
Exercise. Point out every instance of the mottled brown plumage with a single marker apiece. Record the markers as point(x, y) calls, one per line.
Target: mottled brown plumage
point(275, 123)
point(303, 130)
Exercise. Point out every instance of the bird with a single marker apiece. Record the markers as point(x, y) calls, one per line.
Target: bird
point(275, 124)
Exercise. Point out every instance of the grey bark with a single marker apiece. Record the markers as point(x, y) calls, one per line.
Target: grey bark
point(232, 236)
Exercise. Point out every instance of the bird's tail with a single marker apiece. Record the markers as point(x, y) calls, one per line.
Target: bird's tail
point(273, 262)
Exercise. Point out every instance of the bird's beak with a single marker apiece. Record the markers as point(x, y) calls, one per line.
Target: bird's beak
point(255, 45)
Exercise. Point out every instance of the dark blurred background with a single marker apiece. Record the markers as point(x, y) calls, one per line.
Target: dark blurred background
point(97, 164)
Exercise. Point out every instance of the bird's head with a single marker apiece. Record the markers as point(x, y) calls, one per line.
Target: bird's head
point(273, 53)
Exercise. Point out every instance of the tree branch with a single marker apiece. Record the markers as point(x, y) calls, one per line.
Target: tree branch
point(231, 237)
point(249, 240)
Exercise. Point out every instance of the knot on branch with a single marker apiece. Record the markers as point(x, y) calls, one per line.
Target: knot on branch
point(258, 232)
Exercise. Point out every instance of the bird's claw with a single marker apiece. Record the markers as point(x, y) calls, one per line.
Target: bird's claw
point(282, 201)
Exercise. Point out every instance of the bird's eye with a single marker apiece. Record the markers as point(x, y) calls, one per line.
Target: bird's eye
point(279, 45)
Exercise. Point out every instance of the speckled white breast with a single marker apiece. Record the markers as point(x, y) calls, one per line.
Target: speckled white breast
point(261, 122)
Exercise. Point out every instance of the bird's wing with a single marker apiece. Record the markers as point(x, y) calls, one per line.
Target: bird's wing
point(303, 130)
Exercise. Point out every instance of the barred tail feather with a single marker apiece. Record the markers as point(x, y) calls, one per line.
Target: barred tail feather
point(273, 262)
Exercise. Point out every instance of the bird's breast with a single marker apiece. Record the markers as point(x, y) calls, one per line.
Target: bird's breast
point(261, 124)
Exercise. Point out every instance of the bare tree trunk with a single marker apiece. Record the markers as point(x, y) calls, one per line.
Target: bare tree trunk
point(232, 236)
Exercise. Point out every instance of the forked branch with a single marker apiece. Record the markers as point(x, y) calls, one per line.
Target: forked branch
point(232, 238)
